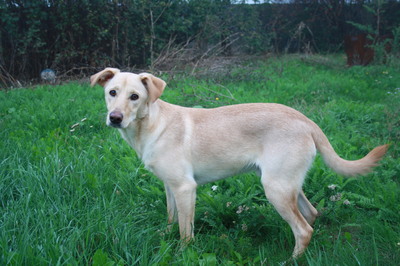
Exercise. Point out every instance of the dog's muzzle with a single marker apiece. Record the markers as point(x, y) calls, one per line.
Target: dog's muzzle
point(116, 118)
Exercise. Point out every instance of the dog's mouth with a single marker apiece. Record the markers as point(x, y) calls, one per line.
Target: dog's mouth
point(114, 125)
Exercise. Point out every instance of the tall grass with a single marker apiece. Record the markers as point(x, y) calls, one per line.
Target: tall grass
point(80, 196)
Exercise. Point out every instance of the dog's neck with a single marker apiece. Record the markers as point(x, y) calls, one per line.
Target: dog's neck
point(142, 132)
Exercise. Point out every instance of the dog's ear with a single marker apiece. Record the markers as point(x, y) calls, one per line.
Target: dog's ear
point(155, 86)
point(103, 76)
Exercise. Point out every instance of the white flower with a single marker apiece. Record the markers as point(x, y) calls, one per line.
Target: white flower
point(242, 209)
point(332, 187)
point(244, 227)
point(336, 197)
point(346, 202)
point(214, 188)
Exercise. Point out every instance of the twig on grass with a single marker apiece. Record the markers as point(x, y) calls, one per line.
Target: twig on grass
point(204, 96)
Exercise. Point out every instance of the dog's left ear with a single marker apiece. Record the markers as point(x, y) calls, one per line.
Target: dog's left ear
point(155, 86)
point(103, 76)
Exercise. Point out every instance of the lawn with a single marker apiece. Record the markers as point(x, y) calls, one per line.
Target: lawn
point(73, 193)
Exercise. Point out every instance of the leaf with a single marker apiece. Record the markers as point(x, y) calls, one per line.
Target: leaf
point(12, 110)
point(321, 204)
point(348, 236)
point(100, 258)
point(208, 259)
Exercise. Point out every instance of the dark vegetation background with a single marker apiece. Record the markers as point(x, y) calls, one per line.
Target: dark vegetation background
point(73, 37)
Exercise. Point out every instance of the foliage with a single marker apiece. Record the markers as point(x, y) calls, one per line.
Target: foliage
point(385, 47)
point(72, 192)
point(73, 36)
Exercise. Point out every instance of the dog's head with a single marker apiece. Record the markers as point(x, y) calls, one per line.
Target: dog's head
point(128, 96)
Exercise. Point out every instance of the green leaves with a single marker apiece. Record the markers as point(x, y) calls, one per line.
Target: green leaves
point(100, 258)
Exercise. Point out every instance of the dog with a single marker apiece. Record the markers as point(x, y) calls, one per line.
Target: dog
point(187, 147)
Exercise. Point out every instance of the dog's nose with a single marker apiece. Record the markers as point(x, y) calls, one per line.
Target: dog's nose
point(116, 117)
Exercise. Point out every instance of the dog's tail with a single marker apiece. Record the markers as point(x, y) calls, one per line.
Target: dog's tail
point(345, 167)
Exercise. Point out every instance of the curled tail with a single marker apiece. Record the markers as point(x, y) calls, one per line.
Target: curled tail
point(345, 167)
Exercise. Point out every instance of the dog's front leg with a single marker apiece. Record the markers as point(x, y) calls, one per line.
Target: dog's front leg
point(171, 208)
point(185, 197)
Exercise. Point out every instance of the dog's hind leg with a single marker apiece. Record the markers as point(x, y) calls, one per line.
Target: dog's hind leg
point(282, 175)
point(284, 197)
point(306, 208)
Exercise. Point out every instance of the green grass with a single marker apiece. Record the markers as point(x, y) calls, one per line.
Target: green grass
point(82, 197)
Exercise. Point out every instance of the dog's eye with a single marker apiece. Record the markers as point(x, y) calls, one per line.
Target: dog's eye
point(113, 93)
point(134, 97)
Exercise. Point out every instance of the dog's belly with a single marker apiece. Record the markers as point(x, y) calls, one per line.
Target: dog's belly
point(211, 171)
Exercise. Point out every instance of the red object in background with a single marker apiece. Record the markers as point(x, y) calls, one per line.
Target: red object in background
point(358, 48)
